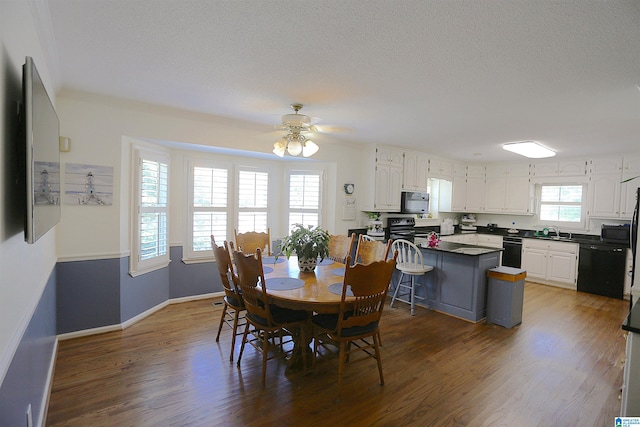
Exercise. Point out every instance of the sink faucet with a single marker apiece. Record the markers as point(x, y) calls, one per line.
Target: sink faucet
point(554, 228)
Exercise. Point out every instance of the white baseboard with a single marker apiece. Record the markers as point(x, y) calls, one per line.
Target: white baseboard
point(44, 408)
point(136, 319)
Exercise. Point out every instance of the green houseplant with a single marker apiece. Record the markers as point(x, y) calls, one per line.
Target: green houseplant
point(309, 244)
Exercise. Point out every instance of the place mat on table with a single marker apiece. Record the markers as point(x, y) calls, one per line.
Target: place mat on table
point(267, 270)
point(338, 271)
point(284, 283)
point(326, 261)
point(336, 288)
point(272, 259)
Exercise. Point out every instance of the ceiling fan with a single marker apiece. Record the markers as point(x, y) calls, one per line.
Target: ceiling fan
point(296, 141)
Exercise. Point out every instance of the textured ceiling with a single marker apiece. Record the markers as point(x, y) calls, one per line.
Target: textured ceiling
point(455, 78)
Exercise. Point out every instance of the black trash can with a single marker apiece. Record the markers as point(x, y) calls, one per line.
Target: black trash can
point(505, 296)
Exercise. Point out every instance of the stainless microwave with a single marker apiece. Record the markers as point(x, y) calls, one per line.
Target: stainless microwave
point(413, 202)
point(615, 233)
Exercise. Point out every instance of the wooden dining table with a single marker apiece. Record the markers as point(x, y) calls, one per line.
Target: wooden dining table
point(319, 291)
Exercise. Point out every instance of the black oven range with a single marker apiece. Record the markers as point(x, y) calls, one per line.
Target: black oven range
point(401, 228)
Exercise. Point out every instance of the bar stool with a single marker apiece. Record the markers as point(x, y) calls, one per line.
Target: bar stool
point(410, 263)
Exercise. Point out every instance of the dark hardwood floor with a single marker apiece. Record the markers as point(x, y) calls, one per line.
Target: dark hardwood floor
point(562, 366)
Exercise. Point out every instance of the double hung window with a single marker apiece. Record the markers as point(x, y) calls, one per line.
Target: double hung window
point(304, 198)
point(253, 200)
point(150, 248)
point(208, 208)
point(562, 204)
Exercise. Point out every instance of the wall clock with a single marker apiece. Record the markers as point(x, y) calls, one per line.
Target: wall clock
point(348, 188)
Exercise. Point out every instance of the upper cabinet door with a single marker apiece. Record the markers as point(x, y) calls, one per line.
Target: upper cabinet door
point(389, 156)
point(606, 165)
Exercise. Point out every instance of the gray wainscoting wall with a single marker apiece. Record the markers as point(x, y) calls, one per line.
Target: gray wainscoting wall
point(25, 382)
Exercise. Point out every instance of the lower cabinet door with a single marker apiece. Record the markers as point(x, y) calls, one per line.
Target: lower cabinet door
point(534, 261)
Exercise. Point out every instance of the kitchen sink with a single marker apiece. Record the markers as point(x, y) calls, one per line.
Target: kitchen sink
point(556, 238)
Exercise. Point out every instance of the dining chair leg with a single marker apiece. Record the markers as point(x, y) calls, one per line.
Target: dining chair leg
point(377, 348)
point(224, 313)
point(341, 367)
point(395, 293)
point(233, 337)
point(244, 340)
point(265, 351)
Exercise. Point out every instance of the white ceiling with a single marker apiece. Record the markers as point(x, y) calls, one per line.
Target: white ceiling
point(454, 78)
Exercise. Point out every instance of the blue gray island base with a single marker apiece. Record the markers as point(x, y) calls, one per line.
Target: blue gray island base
point(457, 286)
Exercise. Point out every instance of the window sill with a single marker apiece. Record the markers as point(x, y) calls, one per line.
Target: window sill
point(197, 260)
point(148, 269)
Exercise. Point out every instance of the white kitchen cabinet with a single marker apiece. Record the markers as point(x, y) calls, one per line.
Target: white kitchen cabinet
point(475, 170)
point(564, 168)
point(440, 168)
point(550, 262)
point(606, 165)
point(507, 189)
point(416, 166)
point(608, 196)
point(388, 186)
point(385, 179)
point(459, 193)
point(389, 156)
point(604, 194)
point(631, 169)
point(475, 194)
point(468, 190)
point(459, 169)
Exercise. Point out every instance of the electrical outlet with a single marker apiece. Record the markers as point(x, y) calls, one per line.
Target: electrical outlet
point(29, 418)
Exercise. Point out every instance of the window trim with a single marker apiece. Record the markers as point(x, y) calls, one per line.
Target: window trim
point(138, 267)
point(189, 255)
point(237, 210)
point(321, 196)
point(582, 224)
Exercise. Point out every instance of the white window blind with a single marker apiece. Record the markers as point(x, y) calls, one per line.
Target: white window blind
point(304, 198)
point(562, 203)
point(208, 207)
point(253, 200)
point(150, 248)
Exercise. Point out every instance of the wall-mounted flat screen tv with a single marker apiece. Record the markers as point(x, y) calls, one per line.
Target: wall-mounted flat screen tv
point(42, 136)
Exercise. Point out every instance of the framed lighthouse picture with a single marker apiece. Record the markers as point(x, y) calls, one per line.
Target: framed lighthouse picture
point(88, 185)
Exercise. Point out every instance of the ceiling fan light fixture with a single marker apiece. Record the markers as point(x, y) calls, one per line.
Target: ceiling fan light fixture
point(530, 149)
point(295, 142)
point(295, 147)
point(279, 147)
point(309, 148)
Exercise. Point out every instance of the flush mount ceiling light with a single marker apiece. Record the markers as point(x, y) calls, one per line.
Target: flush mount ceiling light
point(296, 141)
point(531, 149)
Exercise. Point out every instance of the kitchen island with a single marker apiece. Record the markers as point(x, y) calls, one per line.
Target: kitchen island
point(458, 283)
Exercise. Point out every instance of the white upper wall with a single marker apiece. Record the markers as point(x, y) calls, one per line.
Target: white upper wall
point(101, 129)
point(24, 269)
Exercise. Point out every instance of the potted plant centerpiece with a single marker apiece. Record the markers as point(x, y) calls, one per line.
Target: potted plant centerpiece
point(308, 243)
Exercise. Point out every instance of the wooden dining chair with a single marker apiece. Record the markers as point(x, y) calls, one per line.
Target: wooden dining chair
point(355, 327)
point(248, 242)
point(370, 250)
point(233, 302)
point(340, 247)
point(264, 320)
